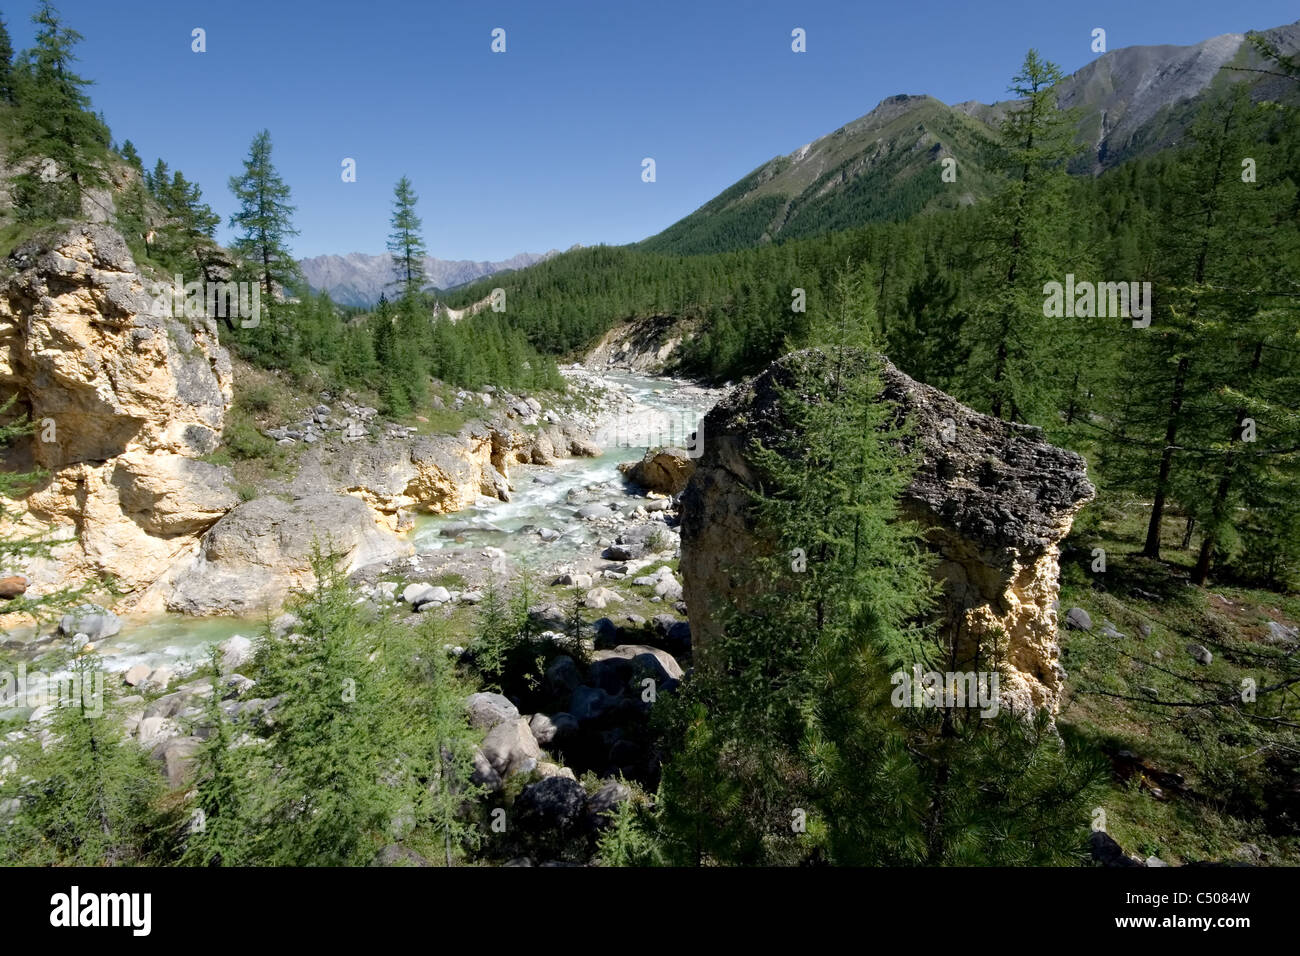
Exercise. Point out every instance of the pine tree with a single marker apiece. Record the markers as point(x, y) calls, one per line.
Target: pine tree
point(7, 92)
point(438, 745)
point(843, 577)
point(130, 154)
point(59, 146)
point(1005, 333)
point(158, 179)
point(337, 789)
point(405, 242)
point(223, 818)
point(187, 241)
point(627, 840)
point(89, 798)
point(265, 221)
point(1210, 332)
point(494, 632)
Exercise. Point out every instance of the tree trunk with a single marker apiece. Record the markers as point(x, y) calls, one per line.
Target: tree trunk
point(1152, 547)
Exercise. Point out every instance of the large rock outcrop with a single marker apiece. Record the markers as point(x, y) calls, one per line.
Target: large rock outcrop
point(641, 345)
point(434, 474)
point(126, 400)
point(994, 498)
point(261, 551)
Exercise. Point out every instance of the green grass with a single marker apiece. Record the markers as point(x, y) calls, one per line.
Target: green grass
point(1235, 768)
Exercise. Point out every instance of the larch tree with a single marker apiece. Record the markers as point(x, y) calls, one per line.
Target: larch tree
point(60, 146)
point(405, 243)
point(265, 223)
point(1025, 247)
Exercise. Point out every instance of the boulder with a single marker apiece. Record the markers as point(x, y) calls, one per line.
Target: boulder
point(613, 669)
point(433, 595)
point(236, 652)
point(486, 710)
point(177, 757)
point(135, 676)
point(601, 598)
point(668, 588)
point(547, 769)
point(1077, 619)
point(92, 621)
point(563, 675)
point(665, 470)
point(413, 594)
point(510, 747)
point(556, 803)
point(564, 723)
point(253, 557)
point(484, 774)
point(591, 703)
point(600, 803)
point(1106, 852)
point(1281, 634)
point(544, 730)
point(994, 499)
point(396, 855)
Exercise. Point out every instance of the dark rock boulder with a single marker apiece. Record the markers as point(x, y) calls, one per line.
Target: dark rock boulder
point(995, 499)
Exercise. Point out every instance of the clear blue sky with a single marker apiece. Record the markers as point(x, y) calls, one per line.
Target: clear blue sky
point(541, 147)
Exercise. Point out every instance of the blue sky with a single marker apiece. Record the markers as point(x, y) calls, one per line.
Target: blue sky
point(540, 147)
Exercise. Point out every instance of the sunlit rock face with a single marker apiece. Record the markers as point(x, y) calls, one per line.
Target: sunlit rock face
point(995, 500)
point(126, 400)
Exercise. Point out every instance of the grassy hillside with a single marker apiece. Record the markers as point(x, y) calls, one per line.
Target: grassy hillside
point(882, 167)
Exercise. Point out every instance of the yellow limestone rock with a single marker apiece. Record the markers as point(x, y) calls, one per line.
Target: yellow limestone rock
point(994, 497)
point(125, 400)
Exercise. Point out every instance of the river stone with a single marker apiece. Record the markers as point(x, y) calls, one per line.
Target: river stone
point(600, 598)
point(92, 621)
point(486, 710)
point(511, 748)
point(136, 675)
point(236, 652)
point(177, 757)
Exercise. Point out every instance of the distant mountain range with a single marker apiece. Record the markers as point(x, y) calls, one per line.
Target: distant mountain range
point(882, 166)
point(357, 279)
